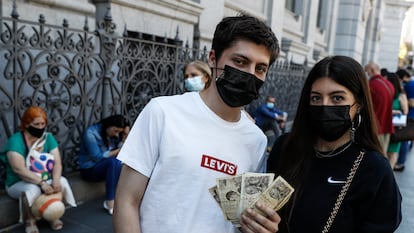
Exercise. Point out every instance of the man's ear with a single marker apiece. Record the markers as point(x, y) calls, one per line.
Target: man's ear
point(212, 58)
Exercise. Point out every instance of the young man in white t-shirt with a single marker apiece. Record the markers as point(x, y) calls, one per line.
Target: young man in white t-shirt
point(180, 144)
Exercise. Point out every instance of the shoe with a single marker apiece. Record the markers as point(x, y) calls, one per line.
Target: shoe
point(110, 210)
point(56, 225)
point(399, 168)
point(31, 227)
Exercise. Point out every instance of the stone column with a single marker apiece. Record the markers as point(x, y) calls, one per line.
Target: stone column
point(102, 7)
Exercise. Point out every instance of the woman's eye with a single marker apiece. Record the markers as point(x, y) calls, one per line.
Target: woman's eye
point(315, 98)
point(338, 98)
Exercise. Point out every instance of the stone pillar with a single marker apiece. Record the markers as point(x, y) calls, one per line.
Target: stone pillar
point(102, 7)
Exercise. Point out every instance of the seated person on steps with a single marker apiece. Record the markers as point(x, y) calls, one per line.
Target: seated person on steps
point(268, 117)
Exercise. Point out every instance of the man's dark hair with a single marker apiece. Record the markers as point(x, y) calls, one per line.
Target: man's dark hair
point(384, 72)
point(402, 73)
point(232, 29)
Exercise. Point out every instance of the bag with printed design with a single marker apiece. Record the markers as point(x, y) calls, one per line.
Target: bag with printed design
point(40, 162)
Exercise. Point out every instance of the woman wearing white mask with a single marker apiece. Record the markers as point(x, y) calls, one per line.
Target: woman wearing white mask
point(197, 76)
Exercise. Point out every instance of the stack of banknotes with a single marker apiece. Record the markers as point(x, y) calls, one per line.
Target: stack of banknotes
point(236, 193)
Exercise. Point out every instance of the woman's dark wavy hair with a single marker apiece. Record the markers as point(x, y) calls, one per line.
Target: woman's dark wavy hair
point(298, 148)
point(115, 120)
point(232, 29)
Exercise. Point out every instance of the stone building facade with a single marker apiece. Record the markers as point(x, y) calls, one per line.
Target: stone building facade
point(308, 29)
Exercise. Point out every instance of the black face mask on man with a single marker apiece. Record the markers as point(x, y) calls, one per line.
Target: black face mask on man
point(35, 131)
point(237, 88)
point(330, 122)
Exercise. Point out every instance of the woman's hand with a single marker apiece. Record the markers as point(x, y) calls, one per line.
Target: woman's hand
point(46, 188)
point(253, 222)
point(56, 186)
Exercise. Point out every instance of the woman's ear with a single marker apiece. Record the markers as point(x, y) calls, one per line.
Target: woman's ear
point(358, 108)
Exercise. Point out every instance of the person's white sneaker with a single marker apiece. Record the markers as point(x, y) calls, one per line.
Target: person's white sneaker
point(110, 210)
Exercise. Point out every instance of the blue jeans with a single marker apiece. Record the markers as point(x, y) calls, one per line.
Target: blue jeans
point(402, 156)
point(107, 169)
point(273, 125)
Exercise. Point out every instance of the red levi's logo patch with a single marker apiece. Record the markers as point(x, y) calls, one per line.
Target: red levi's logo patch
point(218, 165)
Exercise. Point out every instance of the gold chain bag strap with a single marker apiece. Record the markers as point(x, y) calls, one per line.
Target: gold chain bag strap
point(342, 194)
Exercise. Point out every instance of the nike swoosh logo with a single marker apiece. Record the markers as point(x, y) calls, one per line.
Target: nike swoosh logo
point(332, 181)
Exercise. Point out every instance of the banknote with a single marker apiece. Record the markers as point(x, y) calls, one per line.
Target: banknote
point(252, 186)
point(228, 190)
point(214, 194)
point(276, 195)
point(236, 193)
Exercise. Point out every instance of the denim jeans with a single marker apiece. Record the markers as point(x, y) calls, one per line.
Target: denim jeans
point(107, 169)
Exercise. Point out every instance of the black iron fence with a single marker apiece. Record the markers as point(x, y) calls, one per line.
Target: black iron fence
point(81, 76)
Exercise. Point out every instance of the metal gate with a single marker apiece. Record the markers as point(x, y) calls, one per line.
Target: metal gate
point(81, 76)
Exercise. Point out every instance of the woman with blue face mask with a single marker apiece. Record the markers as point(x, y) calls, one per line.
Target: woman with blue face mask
point(197, 76)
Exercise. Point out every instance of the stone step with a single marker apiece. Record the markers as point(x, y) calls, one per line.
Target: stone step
point(83, 191)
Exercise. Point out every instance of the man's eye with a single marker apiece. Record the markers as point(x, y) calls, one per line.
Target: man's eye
point(238, 61)
point(261, 70)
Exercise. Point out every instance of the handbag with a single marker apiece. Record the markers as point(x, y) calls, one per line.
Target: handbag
point(403, 133)
point(40, 163)
point(342, 194)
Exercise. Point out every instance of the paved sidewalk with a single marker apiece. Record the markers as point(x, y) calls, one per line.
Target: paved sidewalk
point(405, 181)
point(86, 218)
point(91, 217)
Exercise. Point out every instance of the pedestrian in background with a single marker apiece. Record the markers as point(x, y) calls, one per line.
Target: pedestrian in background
point(408, 84)
point(197, 76)
point(98, 153)
point(399, 107)
point(179, 145)
point(382, 94)
point(268, 117)
point(333, 158)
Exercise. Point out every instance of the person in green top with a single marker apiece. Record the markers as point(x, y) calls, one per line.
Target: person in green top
point(26, 179)
point(399, 107)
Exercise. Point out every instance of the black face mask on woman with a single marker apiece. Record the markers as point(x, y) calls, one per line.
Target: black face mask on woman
point(330, 122)
point(35, 131)
point(237, 88)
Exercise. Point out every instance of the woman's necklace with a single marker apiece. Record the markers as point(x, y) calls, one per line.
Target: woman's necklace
point(333, 153)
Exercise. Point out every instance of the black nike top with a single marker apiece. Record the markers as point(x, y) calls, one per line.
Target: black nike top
point(371, 205)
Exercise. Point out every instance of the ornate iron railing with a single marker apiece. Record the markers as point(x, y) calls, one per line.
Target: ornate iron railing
point(81, 76)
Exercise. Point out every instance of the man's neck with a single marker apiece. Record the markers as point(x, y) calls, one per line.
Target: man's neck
point(213, 100)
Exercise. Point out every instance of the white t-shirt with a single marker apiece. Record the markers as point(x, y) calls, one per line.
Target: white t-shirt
point(183, 146)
